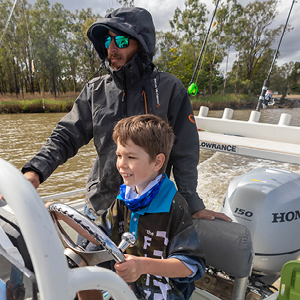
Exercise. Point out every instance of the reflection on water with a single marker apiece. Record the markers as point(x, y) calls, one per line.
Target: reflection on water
point(22, 135)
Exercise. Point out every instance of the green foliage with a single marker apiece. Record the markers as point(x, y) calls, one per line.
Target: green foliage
point(46, 48)
point(190, 22)
point(294, 78)
point(253, 40)
point(181, 63)
point(35, 106)
point(227, 97)
point(220, 101)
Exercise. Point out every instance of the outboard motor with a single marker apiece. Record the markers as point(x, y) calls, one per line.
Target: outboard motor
point(267, 202)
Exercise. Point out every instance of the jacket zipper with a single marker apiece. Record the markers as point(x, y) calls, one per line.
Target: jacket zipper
point(145, 100)
point(124, 104)
point(124, 97)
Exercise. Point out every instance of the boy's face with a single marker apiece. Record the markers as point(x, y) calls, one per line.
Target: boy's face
point(135, 166)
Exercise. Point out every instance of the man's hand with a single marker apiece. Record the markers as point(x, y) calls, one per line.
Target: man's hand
point(210, 215)
point(33, 178)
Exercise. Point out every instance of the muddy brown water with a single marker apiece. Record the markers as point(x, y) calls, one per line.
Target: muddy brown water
point(22, 135)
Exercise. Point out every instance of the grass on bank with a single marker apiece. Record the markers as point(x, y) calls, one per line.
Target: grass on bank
point(221, 101)
point(38, 105)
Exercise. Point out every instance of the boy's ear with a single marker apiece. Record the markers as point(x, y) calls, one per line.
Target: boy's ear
point(160, 159)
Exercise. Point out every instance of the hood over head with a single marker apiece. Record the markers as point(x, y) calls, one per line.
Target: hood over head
point(133, 21)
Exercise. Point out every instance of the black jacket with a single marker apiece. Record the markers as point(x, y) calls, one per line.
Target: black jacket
point(134, 89)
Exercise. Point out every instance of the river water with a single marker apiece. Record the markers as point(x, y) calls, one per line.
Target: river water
point(22, 135)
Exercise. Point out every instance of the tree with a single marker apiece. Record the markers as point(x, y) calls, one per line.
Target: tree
point(181, 63)
point(84, 51)
point(9, 64)
point(188, 29)
point(256, 37)
point(227, 17)
point(81, 59)
point(190, 23)
point(294, 78)
point(279, 78)
point(166, 44)
point(253, 40)
point(46, 24)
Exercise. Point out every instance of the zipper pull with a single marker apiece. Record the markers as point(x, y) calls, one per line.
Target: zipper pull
point(123, 96)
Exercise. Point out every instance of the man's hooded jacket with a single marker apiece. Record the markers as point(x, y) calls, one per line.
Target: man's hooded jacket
point(136, 88)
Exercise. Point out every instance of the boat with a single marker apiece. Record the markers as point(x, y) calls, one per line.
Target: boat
point(264, 200)
point(240, 259)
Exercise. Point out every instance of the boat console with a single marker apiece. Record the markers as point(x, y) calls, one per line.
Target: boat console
point(55, 280)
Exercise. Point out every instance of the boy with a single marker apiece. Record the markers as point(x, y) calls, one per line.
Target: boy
point(167, 256)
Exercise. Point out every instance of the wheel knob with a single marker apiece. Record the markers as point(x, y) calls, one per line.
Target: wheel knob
point(128, 239)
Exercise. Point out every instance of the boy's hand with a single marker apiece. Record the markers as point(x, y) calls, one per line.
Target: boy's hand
point(131, 269)
point(48, 204)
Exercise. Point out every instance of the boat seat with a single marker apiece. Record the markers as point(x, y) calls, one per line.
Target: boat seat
point(227, 246)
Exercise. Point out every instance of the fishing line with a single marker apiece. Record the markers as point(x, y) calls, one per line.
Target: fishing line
point(11, 12)
point(262, 102)
point(193, 88)
point(200, 67)
point(29, 40)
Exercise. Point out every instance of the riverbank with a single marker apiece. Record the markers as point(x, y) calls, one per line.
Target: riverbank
point(34, 103)
point(64, 102)
point(219, 102)
point(290, 101)
point(36, 106)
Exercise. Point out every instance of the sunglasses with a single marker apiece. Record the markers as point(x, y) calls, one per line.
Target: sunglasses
point(121, 41)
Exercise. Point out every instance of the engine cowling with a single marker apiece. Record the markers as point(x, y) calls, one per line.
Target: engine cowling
point(267, 202)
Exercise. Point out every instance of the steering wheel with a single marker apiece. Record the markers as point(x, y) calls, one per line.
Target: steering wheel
point(77, 255)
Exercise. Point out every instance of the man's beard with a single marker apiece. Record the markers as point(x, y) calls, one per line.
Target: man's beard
point(114, 56)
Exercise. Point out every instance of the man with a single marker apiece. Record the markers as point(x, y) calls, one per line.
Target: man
point(125, 42)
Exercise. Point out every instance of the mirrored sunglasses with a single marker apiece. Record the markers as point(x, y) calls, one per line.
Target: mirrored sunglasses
point(120, 41)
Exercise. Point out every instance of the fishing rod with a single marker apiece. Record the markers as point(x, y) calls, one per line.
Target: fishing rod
point(193, 88)
point(12, 10)
point(264, 101)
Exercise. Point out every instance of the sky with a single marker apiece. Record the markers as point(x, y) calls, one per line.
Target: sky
point(163, 10)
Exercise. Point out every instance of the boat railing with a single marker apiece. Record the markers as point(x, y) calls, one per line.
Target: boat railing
point(63, 195)
point(278, 142)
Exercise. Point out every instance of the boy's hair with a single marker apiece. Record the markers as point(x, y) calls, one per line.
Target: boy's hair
point(149, 132)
